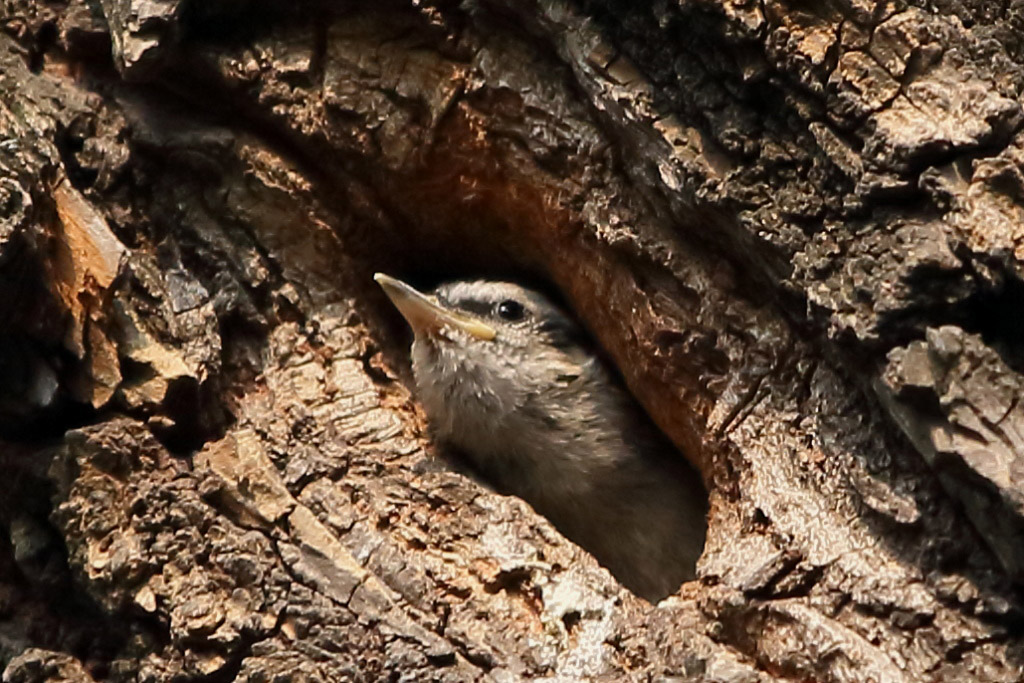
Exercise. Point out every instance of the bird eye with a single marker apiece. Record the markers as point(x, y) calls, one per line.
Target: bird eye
point(510, 310)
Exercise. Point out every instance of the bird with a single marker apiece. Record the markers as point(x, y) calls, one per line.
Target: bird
point(513, 383)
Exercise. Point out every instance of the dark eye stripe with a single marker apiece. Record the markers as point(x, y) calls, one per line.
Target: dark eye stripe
point(474, 306)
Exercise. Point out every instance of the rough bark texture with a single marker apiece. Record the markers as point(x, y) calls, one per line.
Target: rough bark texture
point(797, 228)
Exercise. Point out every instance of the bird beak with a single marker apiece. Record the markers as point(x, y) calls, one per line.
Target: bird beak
point(425, 315)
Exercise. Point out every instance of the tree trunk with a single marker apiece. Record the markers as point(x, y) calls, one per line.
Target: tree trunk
point(796, 228)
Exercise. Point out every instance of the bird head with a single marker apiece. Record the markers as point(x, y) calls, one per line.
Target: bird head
point(484, 348)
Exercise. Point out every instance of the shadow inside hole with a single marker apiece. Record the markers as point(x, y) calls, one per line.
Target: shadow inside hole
point(997, 314)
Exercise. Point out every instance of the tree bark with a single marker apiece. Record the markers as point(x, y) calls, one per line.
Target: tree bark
point(796, 228)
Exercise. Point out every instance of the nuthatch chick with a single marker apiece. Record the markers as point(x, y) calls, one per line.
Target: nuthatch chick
point(509, 380)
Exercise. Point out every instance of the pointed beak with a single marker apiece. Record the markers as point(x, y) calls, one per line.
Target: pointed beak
point(425, 315)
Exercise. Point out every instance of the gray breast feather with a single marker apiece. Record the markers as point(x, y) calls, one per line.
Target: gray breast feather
point(574, 445)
